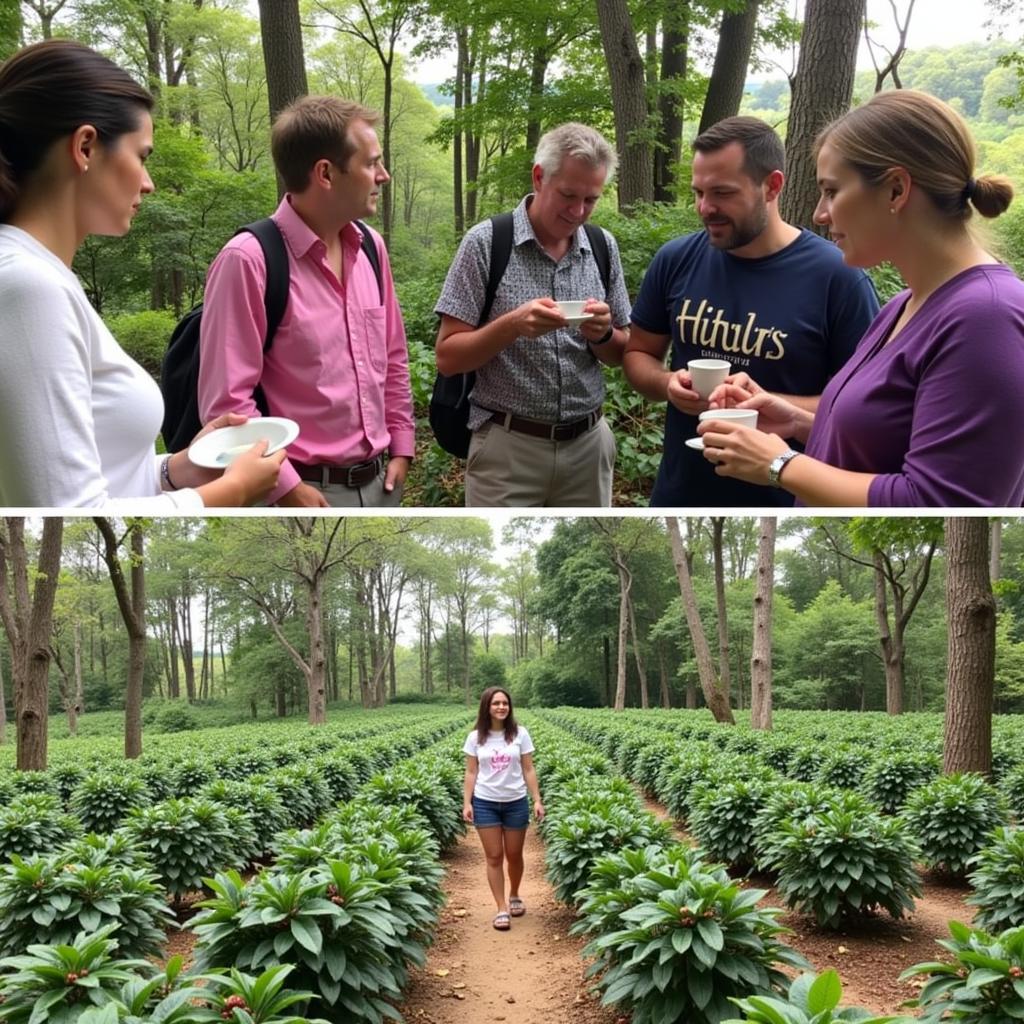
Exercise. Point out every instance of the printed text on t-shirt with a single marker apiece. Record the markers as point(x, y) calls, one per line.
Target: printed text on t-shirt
point(707, 327)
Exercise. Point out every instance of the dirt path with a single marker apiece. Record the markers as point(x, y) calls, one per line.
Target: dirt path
point(532, 974)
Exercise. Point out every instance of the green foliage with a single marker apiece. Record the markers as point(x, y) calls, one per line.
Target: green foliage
point(891, 778)
point(790, 801)
point(723, 821)
point(176, 717)
point(144, 336)
point(232, 995)
point(102, 801)
point(951, 819)
point(812, 999)
point(186, 840)
point(60, 983)
point(48, 900)
point(984, 983)
point(692, 940)
point(998, 881)
point(33, 824)
point(843, 863)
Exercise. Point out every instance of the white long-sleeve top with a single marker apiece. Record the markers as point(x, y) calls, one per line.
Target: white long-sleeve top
point(78, 416)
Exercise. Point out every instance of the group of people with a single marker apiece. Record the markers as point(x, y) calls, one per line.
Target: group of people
point(913, 405)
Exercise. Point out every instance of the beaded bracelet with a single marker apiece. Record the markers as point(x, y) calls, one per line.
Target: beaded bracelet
point(165, 473)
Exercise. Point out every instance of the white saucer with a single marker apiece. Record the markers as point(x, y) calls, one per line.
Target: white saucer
point(221, 447)
point(697, 443)
point(575, 321)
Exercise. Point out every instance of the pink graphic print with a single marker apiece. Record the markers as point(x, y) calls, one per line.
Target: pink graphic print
point(500, 760)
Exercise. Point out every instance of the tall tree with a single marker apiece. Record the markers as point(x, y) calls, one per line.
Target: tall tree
point(971, 614)
point(675, 41)
point(281, 32)
point(131, 600)
point(3, 706)
point(26, 610)
point(822, 90)
point(890, 63)
point(732, 59)
point(715, 696)
point(46, 11)
point(761, 648)
point(626, 71)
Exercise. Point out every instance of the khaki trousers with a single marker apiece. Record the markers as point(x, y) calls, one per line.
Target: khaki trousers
point(371, 495)
point(506, 468)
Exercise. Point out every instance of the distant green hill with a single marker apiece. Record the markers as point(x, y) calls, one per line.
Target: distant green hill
point(434, 94)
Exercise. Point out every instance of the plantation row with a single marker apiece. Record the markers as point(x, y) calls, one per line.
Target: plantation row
point(346, 825)
point(675, 938)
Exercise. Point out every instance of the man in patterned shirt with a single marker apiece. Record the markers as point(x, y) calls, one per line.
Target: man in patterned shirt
point(539, 437)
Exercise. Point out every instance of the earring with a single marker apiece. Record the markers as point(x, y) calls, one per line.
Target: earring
point(892, 209)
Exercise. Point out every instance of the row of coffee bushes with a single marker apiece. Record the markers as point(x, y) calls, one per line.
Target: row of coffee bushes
point(673, 938)
point(837, 855)
point(349, 903)
point(842, 843)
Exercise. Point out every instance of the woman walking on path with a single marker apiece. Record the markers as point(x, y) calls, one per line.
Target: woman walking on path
point(499, 771)
point(78, 416)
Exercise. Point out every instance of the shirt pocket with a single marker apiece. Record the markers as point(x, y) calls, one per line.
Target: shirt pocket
point(375, 327)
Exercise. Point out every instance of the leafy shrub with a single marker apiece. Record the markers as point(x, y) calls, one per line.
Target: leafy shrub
point(951, 819)
point(405, 788)
point(1012, 787)
point(144, 335)
point(998, 881)
point(102, 800)
point(48, 900)
point(837, 864)
point(176, 717)
point(26, 783)
point(189, 776)
point(34, 824)
point(185, 840)
point(812, 999)
point(893, 777)
point(94, 850)
point(984, 983)
point(66, 777)
point(263, 808)
point(843, 769)
point(694, 939)
point(60, 983)
point(723, 822)
point(792, 801)
point(263, 1000)
point(302, 792)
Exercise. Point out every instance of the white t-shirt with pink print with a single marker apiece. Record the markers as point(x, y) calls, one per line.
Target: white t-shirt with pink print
point(500, 775)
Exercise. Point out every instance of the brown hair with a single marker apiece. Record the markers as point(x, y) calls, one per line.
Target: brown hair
point(483, 716)
point(910, 129)
point(314, 128)
point(763, 149)
point(47, 91)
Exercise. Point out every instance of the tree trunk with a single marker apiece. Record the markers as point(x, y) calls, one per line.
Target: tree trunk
point(645, 701)
point(724, 674)
point(995, 549)
point(629, 103)
point(3, 706)
point(891, 641)
point(26, 609)
point(315, 678)
point(732, 58)
point(461, 59)
point(665, 697)
point(625, 583)
point(971, 615)
point(761, 648)
point(538, 72)
point(822, 90)
point(674, 55)
point(606, 648)
point(716, 699)
point(281, 32)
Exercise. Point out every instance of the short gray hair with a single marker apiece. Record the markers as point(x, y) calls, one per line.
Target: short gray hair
point(575, 140)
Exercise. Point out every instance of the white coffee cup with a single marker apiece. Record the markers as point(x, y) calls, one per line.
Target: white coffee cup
point(707, 374)
point(742, 417)
point(571, 309)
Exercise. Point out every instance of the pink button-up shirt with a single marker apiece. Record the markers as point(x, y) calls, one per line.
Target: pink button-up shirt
point(338, 366)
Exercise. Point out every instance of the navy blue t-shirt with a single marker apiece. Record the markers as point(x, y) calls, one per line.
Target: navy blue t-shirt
point(790, 320)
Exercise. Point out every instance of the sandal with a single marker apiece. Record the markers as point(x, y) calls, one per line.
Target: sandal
point(516, 907)
point(502, 922)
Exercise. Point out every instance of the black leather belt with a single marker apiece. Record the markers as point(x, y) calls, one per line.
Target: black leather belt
point(549, 431)
point(355, 476)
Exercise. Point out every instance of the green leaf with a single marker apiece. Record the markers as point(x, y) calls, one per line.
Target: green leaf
point(307, 935)
point(824, 993)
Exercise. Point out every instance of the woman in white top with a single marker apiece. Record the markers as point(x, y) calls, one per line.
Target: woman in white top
point(499, 771)
point(78, 417)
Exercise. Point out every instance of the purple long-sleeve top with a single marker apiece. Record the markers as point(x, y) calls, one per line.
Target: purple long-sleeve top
point(938, 412)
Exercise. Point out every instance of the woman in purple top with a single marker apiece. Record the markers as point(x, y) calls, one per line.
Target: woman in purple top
point(927, 410)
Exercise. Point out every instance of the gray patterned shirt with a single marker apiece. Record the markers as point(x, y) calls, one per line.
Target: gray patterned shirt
point(555, 378)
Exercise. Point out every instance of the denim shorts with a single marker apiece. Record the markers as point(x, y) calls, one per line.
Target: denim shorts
point(513, 815)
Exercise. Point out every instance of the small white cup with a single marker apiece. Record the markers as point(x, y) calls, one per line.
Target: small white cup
point(707, 374)
point(743, 417)
point(572, 309)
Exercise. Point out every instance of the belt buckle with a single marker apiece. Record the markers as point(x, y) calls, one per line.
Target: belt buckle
point(562, 432)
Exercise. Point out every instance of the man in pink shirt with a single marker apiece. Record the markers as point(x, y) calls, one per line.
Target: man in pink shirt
point(339, 365)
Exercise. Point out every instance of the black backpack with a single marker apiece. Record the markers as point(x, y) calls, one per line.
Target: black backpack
point(179, 371)
point(449, 402)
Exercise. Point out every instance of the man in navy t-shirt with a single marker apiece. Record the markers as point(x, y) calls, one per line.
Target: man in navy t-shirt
point(774, 300)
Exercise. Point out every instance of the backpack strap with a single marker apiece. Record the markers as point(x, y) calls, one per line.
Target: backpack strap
point(369, 246)
point(501, 250)
point(275, 298)
point(599, 247)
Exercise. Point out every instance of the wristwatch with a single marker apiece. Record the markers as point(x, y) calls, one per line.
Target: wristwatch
point(777, 464)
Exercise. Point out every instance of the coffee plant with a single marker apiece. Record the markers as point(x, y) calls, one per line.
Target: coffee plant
point(998, 881)
point(723, 822)
point(34, 823)
point(951, 819)
point(102, 801)
point(812, 999)
point(892, 778)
